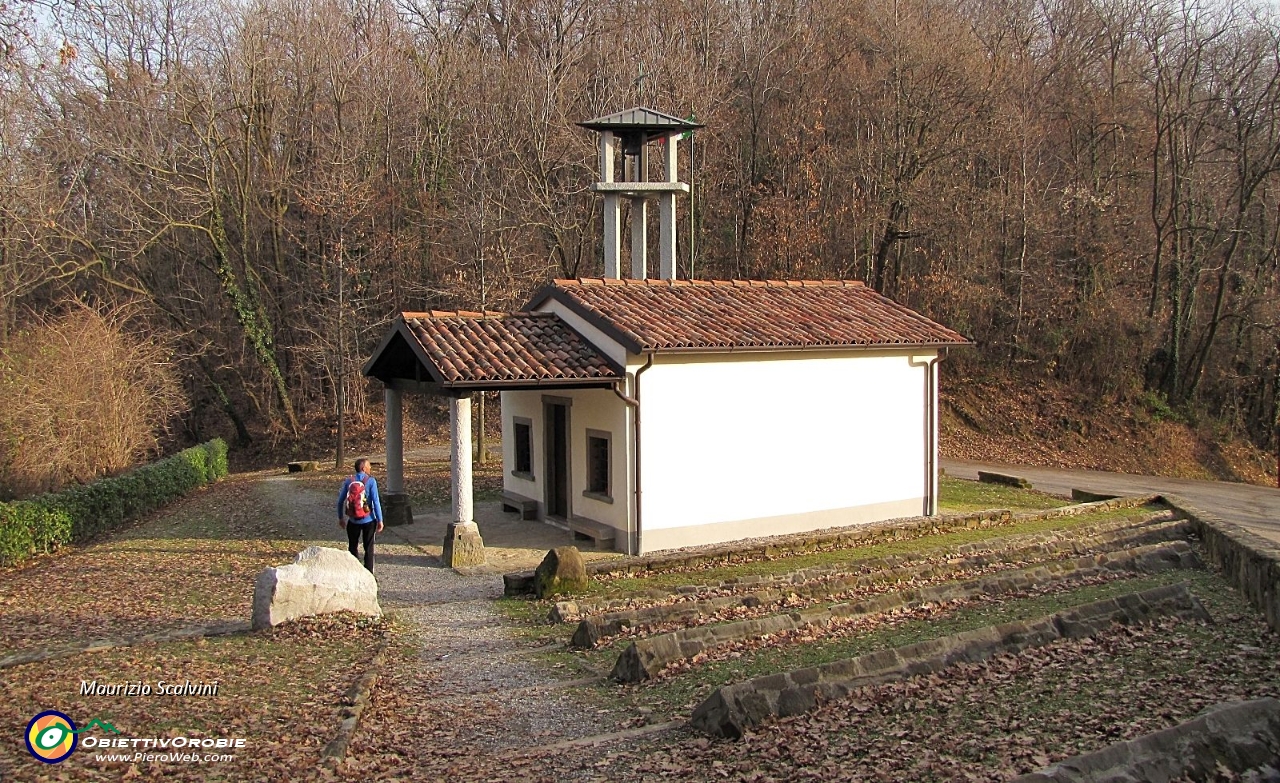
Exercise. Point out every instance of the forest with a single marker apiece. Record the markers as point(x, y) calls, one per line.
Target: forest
point(219, 206)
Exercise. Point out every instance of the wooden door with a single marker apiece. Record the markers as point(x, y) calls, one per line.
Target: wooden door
point(557, 448)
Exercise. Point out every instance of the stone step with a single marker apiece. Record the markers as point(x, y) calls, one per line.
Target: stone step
point(734, 709)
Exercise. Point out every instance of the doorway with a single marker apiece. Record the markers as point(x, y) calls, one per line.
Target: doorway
point(556, 415)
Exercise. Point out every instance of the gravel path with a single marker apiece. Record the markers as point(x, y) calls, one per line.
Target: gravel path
point(466, 654)
point(1257, 508)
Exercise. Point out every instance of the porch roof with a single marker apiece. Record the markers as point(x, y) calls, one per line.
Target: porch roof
point(745, 315)
point(464, 351)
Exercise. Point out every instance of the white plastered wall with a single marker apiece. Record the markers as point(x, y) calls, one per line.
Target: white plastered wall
point(742, 445)
point(594, 409)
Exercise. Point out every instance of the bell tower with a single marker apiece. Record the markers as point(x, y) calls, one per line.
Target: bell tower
point(635, 132)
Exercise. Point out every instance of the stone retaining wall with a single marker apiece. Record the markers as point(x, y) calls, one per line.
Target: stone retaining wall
point(732, 709)
point(1092, 507)
point(854, 535)
point(645, 658)
point(1222, 744)
point(798, 543)
point(1248, 561)
point(521, 582)
point(817, 583)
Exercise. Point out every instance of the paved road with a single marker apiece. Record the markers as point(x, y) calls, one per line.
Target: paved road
point(1257, 508)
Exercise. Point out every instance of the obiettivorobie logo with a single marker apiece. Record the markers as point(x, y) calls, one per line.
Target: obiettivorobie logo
point(52, 736)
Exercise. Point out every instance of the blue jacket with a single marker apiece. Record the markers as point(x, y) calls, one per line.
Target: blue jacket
point(370, 491)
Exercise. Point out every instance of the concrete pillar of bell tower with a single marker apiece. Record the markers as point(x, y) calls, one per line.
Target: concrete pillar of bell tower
point(612, 209)
point(612, 236)
point(639, 238)
point(667, 214)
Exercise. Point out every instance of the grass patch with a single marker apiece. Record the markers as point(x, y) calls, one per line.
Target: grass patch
point(629, 586)
point(280, 690)
point(679, 694)
point(1006, 716)
point(957, 496)
point(430, 484)
point(528, 618)
point(193, 563)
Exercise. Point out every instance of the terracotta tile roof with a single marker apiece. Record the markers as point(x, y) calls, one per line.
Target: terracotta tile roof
point(504, 349)
point(672, 315)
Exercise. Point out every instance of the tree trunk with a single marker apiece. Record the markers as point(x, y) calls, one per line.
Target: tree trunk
point(892, 233)
point(249, 318)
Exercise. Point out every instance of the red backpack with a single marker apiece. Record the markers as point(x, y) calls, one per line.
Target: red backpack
point(357, 505)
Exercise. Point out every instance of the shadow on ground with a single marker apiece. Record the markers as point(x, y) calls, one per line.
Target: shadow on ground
point(511, 543)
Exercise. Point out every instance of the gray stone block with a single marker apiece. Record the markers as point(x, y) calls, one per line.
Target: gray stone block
point(397, 509)
point(991, 477)
point(1235, 738)
point(463, 545)
point(320, 580)
point(561, 571)
point(518, 583)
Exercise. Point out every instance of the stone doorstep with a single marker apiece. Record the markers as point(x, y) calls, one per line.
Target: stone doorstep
point(1235, 737)
point(526, 507)
point(732, 709)
point(645, 658)
point(895, 569)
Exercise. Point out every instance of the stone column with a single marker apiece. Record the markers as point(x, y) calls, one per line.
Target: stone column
point(396, 509)
point(395, 440)
point(462, 543)
point(460, 457)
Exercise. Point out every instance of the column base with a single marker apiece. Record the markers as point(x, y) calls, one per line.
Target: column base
point(462, 545)
point(396, 509)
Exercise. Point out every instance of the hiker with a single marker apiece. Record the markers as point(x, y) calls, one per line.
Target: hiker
point(360, 511)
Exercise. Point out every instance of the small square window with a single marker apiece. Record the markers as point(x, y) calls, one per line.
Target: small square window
point(523, 431)
point(599, 466)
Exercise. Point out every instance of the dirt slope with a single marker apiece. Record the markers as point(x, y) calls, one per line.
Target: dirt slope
point(1045, 424)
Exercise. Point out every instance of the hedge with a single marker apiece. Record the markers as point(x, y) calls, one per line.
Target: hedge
point(45, 523)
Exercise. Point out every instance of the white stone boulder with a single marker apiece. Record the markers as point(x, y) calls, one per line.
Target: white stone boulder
point(320, 580)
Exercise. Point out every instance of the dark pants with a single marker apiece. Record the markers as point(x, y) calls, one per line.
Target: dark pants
point(355, 533)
